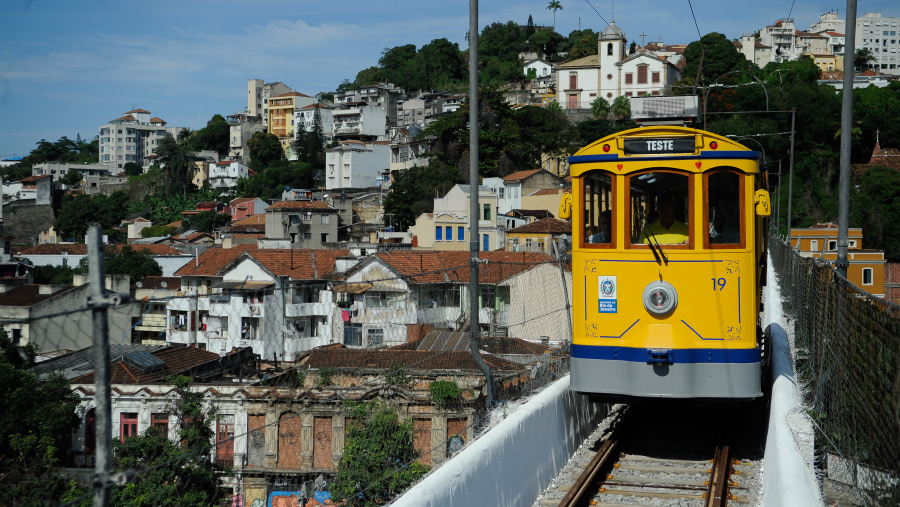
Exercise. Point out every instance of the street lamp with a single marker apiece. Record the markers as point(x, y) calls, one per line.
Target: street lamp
point(706, 93)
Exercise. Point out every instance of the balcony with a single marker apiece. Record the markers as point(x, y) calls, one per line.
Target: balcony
point(308, 310)
point(151, 322)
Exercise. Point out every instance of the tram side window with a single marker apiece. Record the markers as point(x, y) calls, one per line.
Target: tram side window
point(659, 208)
point(725, 208)
point(598, 217)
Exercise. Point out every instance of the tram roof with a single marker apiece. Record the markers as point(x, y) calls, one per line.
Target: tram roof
point(660, 143)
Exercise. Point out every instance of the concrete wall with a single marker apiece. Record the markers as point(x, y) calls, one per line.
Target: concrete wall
point(517, 459)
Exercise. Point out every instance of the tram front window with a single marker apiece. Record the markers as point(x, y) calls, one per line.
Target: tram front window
point(660, 210)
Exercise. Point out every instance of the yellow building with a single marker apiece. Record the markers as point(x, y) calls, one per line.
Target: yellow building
point(866, 269)
point(538, 236)
point(827, 62)
point(281, 117)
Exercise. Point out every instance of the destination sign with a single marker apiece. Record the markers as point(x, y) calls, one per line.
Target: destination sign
point(659, 145)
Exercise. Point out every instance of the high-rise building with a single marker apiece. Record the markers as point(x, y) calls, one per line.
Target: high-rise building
point(132, 137)
point(881, 36)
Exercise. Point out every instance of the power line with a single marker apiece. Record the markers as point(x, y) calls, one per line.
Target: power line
point(695, 20)
point(598, 12)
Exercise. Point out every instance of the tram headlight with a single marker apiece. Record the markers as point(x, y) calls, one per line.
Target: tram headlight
point(660, 298)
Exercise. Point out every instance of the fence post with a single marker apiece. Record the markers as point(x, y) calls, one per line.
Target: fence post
point(103, 456)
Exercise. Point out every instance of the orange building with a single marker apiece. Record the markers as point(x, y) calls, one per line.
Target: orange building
point(866, 269)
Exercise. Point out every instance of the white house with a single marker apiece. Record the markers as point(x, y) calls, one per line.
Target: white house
point(541, 68)
point(224, 175)
point(355, 164)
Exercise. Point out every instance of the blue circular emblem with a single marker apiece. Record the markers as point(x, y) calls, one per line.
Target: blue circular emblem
point(607, 288)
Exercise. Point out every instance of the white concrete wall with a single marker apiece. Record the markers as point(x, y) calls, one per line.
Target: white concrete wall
point(512, 463)
point(787, 475)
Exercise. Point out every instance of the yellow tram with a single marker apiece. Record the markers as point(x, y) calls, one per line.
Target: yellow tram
point(668, 259)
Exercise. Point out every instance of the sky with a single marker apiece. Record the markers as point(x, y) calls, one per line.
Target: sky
point(68, 67)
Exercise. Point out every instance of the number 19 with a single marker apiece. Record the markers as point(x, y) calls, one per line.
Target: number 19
point(718, 284)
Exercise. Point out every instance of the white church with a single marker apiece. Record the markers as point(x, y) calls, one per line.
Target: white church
point(612, 73)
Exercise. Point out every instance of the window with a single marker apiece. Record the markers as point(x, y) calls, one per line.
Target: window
point(598, 219)
point(814, 245)
point(660, 211)
point(573, 81)
point(629, 79)
point(527, 244)
point(325, 219)
point(460, 233)
point(609, 49)
point(225, 440)
point(487, 212)
point(324, 237)
point(867, 276)
point(832, 245)
point(160, 421)
point(725, 212)
point(655, 77)
point(852, 243)
point(642, 74)
point(439, 233)
point(448, 232)
point(128, 422)
point(353, 334)
point(374, 337)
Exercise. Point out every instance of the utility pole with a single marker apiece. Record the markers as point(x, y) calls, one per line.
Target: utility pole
point(846, 138)
point(474, 235)
point(791, 175)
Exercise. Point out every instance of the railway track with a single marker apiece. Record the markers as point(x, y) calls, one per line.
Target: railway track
point(674, 462)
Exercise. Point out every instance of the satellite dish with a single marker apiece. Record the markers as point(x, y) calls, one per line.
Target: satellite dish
point(163, 284)
point(138, 284)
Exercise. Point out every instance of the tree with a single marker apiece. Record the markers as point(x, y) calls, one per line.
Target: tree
point(172, 473)
point(37, 420)
point(53, 275)
point(599, 108)
point(127, 261)
point(215, 136)
point(265, 150)
point(412, 190)
point(554, 6)
point(863, 59)
point(876, 205)
point(582, 43)
point(379, 460)
point(71, 178)
point(207, 221)
point(718, 55)
point(77, 212)
point(176, 159)
point(621, 108)
point(132, 169)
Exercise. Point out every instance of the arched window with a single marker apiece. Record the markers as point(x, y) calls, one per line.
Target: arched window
point(609, 49)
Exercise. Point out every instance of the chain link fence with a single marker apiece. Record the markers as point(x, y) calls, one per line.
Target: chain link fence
point(249, 329)
point(847, 353)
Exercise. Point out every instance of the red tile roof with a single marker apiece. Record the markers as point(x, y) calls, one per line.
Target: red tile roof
point(521, 175)
point(241, 200)
point(310, 264)
point(290, 94)
point(417, 359)
point(144, 111)
point(157, 119)
point(127, 117)
point(177, 360)
point(30, 295)
point(545, 226)
point(31, 179)
point(57, 249)
point(453, 267)
point(211, 262)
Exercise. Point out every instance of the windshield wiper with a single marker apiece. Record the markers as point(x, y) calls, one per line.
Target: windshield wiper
point(661, 257)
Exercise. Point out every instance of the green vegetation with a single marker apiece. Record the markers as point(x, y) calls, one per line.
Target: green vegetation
point(172, 473)
point(325, 378)
point(206, 221)
point(442, 392)
point(379, 460)
point(126, 261)
point(37, 418)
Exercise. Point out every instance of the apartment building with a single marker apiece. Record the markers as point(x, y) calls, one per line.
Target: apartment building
point(357, 164)
point(866, 269)
point(241, 127)
point(258, 94)
point(881, 36)
point(223, 176)
point(281, 118)
point(132, 137)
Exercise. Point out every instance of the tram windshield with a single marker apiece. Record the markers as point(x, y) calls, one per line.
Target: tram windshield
point(659, 208)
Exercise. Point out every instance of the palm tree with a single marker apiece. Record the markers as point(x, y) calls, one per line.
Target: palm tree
point(862, 59)
point(600, 108)
point(554, 6)
point(621, 108)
